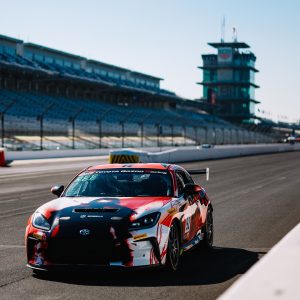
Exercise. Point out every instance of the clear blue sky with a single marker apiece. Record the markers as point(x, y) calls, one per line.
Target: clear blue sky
point(166, 38)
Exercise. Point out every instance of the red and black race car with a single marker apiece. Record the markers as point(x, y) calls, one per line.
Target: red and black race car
point(126, 215)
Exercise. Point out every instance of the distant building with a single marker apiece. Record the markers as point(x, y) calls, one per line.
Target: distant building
point(228, 81)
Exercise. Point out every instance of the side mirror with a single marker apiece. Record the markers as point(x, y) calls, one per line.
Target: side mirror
point(190, 189)
point(57, 190)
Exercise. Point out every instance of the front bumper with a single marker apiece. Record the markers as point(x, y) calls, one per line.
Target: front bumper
point(143, 249)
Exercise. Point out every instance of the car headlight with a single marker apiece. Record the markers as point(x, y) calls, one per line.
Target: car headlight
point(40, 222)
point(145, 222)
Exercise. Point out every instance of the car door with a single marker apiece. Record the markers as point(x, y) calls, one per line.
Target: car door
point(191, 219)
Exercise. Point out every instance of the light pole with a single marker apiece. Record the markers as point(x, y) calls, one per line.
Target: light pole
point(122, 123)
point(41, 119)
point(99, 122)
point(72, 120)
point(2, 113)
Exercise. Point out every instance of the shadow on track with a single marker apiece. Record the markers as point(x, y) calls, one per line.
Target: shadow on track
point(197, 268)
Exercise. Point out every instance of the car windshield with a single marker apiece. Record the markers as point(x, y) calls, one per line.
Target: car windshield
point(122, 183)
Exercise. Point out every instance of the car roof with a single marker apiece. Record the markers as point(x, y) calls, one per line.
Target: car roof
point(157, 166)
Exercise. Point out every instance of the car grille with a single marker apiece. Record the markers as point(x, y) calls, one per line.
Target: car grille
point(84, 251)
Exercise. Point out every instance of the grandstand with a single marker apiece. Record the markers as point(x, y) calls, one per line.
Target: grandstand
point(75, 102)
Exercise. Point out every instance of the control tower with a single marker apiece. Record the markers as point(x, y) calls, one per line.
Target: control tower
point(228, 81)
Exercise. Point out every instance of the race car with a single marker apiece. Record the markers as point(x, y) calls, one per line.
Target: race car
point(126, 215)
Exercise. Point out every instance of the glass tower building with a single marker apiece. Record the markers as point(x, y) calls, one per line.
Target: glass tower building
point(228, 81)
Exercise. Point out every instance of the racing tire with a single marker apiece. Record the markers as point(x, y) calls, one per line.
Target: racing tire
point(208, 230)
point(173, 251)
point(42, 273)
point(39, 273)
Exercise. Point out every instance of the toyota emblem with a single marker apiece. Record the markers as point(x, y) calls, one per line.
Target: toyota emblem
point(84, 231)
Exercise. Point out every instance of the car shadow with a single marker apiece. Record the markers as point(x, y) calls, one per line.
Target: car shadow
point(197, 268)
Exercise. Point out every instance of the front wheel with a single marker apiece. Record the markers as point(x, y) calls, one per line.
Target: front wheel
point(173, 252)
point(208, 230)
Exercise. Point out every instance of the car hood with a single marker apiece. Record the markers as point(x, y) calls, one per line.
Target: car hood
point(121, 206)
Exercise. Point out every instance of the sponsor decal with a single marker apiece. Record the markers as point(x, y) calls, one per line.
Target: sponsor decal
point(65, 218)
point(187, 225)
point(116, 218)
point(140, 236)
point(39, 235)
point(171, 210)
point(225, 55)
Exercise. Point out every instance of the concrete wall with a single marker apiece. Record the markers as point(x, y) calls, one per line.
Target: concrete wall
point(181, 154)
point(275, 276)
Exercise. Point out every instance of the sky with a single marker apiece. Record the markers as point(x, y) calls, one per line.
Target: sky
point(166, 38)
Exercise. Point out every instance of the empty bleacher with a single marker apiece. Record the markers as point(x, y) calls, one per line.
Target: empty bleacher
point(22, 120)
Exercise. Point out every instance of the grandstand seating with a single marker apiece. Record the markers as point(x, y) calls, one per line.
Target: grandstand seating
point(21, 119)
point(29, 105)
point(20, 61)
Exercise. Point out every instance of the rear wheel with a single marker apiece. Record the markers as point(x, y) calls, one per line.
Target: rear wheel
point(40, 273)
point(208, 230)
point(173, 253)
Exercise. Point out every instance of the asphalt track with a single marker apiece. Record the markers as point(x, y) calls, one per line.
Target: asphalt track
point(256, 202)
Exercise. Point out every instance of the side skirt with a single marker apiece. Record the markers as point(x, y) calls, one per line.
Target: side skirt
point(196, 240)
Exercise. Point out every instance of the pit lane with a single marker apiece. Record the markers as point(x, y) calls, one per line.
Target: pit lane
point(256, 202)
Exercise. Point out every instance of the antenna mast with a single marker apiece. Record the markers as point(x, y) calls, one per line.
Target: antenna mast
point(234, 34)
point(223, 30)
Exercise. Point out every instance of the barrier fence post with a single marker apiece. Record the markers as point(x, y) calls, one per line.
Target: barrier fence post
point(142, 134)
point(122, 123)
point(172, 134)
point(215, 136)
point(196, 135)
point(157, 133)
point(142, 123)
point(41, 119)
point(2, 113)
point(184, 135)
point(72, 120)
point(223, 138)
point(99, 122)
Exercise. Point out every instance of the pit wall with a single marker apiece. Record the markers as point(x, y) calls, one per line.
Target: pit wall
point(275, 276)
point(169, 155)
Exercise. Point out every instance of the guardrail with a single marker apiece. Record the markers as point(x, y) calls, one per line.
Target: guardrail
point(275, 276)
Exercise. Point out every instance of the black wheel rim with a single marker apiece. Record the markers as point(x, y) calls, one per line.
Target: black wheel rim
point(174, 247)
point(209, 228)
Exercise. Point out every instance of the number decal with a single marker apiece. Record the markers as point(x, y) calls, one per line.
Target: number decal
point(187, 225)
